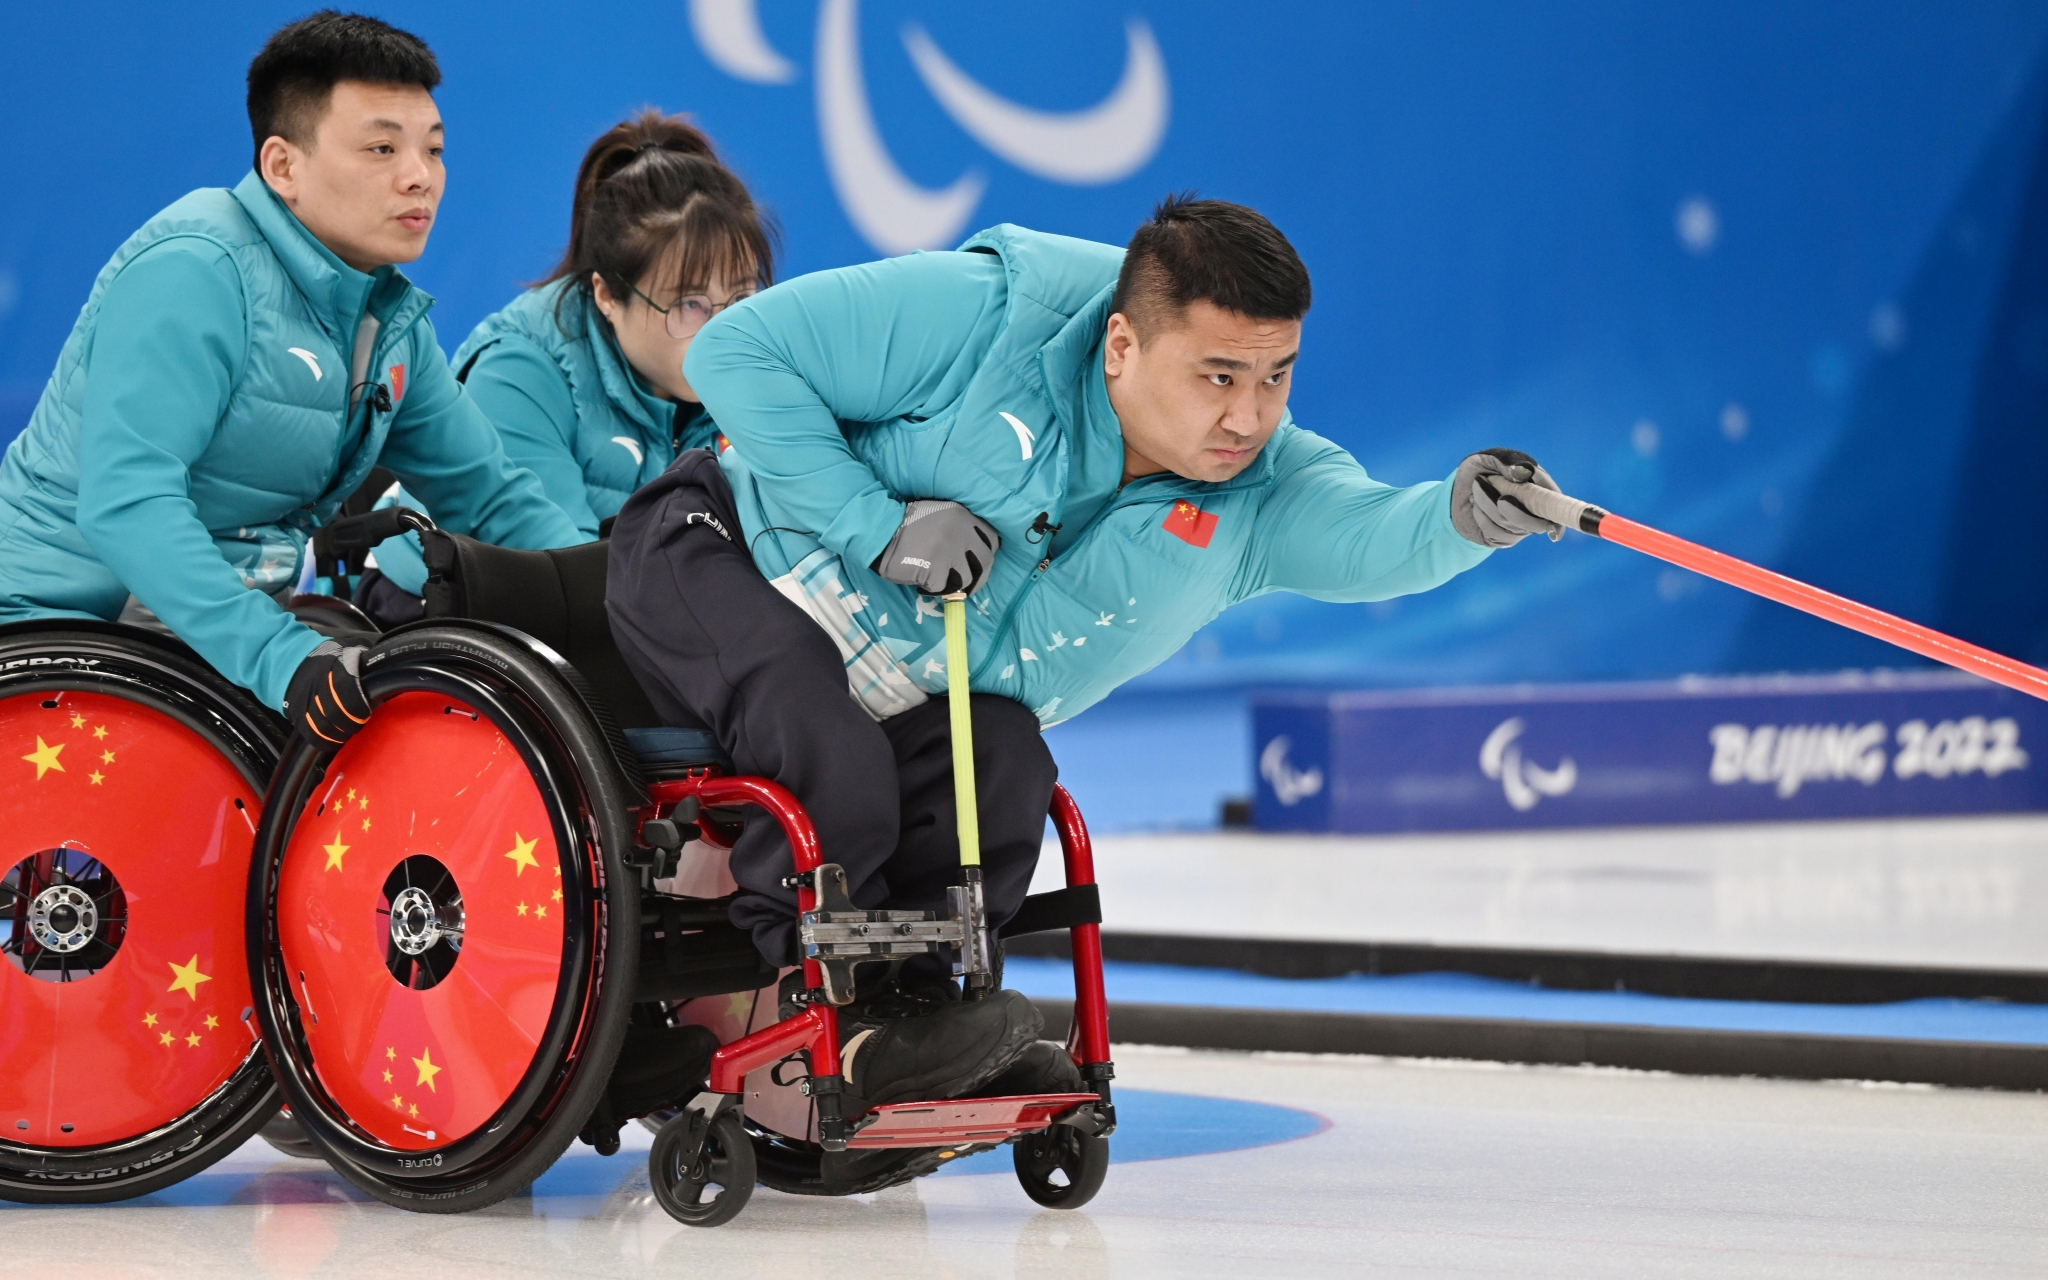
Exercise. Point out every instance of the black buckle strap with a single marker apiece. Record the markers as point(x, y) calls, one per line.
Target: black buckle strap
point(1060, 909)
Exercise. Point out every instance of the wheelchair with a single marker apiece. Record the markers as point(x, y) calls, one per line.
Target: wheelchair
point(456, 920)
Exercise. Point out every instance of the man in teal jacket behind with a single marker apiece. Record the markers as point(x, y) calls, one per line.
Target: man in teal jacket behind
point(1095, 444)
point(241, 364)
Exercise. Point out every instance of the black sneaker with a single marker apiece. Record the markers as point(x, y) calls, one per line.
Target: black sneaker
point(902, 1046)
point(863, 1169)
point(1043, 1067)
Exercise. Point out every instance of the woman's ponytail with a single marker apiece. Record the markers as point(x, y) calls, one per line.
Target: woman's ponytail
point(621, 145)
point(652, 187)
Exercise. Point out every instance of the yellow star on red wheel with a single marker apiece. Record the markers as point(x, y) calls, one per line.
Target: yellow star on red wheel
point(148, 1019)
point(99, 731)
point(44, 757)
point(428, 1068)
point(106, 757)
point(77, 721)
point(165, 1038)
point(387, 1077)
point(334, 852)
point(95, 777)
point(541, 912)
point(522, 908)
point(211, 1022)
point(398, 1102)
point(186, 977)
point(366, 824)
point(390, 1053)
point(193, 1040)
point(558, 895)
point(521, 855)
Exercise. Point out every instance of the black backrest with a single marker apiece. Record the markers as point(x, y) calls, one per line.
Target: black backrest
point(557, 597)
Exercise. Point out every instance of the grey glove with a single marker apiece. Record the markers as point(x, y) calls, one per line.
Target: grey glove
point(941, 548)
point(1489, 517)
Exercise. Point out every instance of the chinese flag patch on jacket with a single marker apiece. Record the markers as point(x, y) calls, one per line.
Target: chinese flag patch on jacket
point(397, 372)
point(1190, 524)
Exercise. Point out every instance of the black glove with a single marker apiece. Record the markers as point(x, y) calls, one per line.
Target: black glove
point(325, 703)
point(1483, 513)
point(941, 548)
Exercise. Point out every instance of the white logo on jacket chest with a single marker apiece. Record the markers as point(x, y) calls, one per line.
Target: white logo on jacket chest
point(1024, 433)
point(312, 362)
point(631, 446)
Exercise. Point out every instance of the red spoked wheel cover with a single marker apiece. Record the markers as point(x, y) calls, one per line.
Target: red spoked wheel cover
point(423, 1062)
point(144, 1038)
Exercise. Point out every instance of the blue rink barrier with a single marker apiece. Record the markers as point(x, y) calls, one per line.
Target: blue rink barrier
point(1698, 750)
point(1461, 995)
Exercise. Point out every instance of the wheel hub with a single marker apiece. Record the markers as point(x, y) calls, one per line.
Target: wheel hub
point(415, 925)
point(63, 919)
point(63, 915)
point(423, 905)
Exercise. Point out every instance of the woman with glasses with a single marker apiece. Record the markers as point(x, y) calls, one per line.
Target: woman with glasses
point(583, 373)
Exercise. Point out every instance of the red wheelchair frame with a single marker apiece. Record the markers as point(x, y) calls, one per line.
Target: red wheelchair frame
point(815, 1031)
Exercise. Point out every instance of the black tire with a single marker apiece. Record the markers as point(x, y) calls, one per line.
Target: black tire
point(726, 1162)
point(537, 702)
point(1060, 1167)
point(163, 676)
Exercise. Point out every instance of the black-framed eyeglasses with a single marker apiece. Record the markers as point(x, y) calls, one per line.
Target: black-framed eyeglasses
point(690, 312)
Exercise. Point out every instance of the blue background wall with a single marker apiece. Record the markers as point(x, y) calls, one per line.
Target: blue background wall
point(1771, 275)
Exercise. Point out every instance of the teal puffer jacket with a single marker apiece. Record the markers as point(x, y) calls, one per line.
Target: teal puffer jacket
point(977, 376)
point(199, 425)
point(568, 407)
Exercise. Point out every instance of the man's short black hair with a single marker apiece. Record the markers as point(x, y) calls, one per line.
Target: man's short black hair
point(297, 69)
point(1208, 250)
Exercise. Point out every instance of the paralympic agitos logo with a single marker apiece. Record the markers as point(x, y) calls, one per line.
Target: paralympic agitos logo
point(1090, 147)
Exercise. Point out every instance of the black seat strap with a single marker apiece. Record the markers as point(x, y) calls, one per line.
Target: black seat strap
point(1060, 909)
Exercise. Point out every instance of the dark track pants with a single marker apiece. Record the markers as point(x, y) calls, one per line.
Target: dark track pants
point(714, 644)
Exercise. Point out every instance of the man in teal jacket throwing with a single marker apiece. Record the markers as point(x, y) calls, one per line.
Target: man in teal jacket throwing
point(1095, 443)
point(241, 364)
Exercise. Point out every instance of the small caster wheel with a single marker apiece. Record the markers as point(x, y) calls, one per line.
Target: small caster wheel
point(689, 1161)
point(1061, 1167)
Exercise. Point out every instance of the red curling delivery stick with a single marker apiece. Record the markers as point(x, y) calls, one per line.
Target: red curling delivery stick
point(1925, 641)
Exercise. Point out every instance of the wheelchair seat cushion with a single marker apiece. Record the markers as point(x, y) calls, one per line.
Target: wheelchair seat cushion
point(668, 745)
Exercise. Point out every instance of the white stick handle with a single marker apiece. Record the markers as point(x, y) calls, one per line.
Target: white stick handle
point(1560, 509)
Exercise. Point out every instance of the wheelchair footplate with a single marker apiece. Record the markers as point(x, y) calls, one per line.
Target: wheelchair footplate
point(966, 1121)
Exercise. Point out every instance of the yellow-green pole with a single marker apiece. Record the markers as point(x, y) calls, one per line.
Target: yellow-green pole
point(963, 731)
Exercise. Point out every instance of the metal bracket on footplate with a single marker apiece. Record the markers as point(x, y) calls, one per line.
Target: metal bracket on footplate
point(839, 935)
